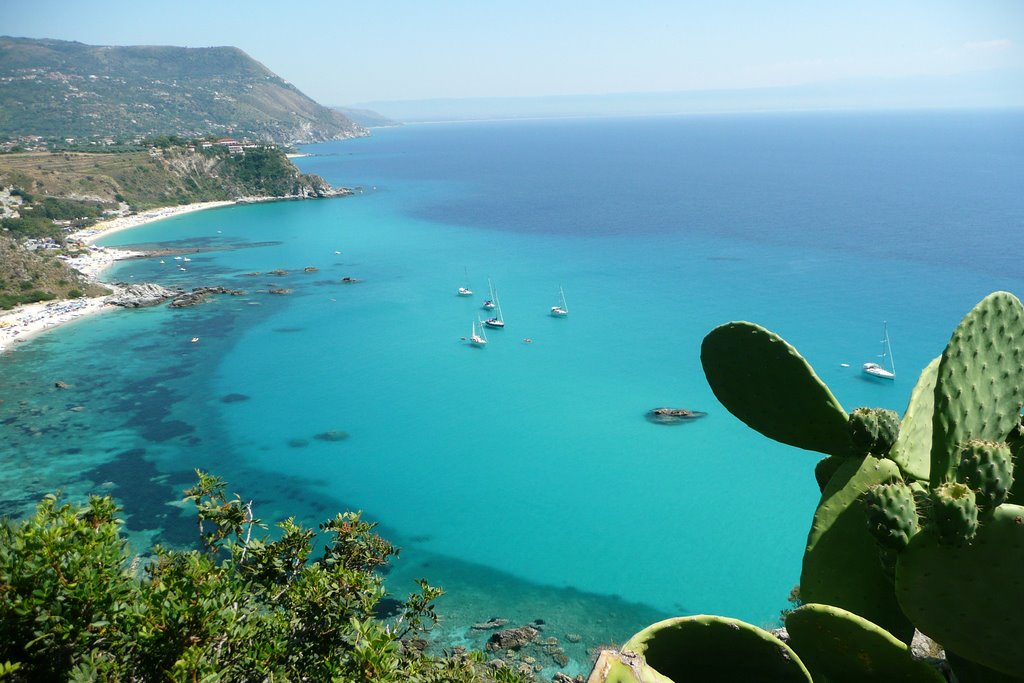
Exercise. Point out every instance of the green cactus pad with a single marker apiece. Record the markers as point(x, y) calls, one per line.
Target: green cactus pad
point(825, 468)
point(954, 513)
point(873, 430)
point(969, 598)
point(1016, 441)
point(892, 514)
point(913, 447)
point(979, 389)
point(839, 646)
point(709, 648)
point(841, 565)
point(764, 382)
point(987, 468)
point(967, 671)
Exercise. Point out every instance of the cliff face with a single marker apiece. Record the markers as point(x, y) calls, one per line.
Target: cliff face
point(167, 176)
point(63, 89)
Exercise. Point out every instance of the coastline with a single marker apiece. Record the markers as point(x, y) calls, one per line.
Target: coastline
point(28, 320)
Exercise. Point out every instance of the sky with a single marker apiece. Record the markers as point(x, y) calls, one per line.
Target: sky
point(342, 53)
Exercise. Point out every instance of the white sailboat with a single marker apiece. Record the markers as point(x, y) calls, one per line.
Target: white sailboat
point(497, 320)
point(466, 291)
point(886, 369)
point(562, 309)
point(477, 337)
point(489, 304)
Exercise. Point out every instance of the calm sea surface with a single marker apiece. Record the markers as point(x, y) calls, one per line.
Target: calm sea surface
point(523, 477)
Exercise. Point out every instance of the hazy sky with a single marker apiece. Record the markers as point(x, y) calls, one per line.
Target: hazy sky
point(342, 52)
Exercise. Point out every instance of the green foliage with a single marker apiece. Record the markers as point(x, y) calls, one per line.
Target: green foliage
point(10, 300)
point(73, 605)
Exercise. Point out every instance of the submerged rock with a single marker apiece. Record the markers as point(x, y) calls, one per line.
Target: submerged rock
point(672, 416)
point(512, 639)
point(234, 398)
point(297, 443)
point(283, 290)
point(310, 269)
point(492, 623)
point(198, 295)
point(331, 436)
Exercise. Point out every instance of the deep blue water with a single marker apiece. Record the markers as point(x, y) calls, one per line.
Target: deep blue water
point(524, 477)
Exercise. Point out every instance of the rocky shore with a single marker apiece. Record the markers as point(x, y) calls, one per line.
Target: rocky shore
point(24, 322)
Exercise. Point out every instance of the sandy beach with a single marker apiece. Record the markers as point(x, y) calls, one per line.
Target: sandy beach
point(24, 322)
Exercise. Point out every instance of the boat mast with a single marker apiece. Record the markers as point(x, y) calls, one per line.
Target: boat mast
point(887, 348)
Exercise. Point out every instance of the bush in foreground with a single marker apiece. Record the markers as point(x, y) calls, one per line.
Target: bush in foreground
point(76, 605)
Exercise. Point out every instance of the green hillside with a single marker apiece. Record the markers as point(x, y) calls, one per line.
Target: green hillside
point(61, 89)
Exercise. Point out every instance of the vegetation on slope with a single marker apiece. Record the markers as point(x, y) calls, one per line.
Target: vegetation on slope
point(76, 605)
point(46, 195)
point(62, 89)
point(28, 276)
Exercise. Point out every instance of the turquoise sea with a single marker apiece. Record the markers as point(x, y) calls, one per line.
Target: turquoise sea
point(523, 477)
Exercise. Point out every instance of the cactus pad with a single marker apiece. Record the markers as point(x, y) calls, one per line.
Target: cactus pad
point(954, 513)
point(873, 430)
point(709, 648)
point(987, 468)
point(767, 384)
point(979, 389)
point(838, 646)
point(841, 565)
point(912, 450)
point(892, 514)
point(969, 598)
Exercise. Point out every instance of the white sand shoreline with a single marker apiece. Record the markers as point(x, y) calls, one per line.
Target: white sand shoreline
point(26, 321)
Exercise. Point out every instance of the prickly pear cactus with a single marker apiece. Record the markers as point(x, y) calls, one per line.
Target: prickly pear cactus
point(706, 648)
point(954, 513)
point(970, 598)
point(839, 646)
point(986, 467)
point(979, 388)
point(767, 384)
point(874, 430)
point(892, 514)
point(841, 565)
point(913, 447)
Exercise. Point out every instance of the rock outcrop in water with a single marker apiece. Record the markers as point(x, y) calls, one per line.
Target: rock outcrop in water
point(671, 416)
point(150, 294)
point(141, 295)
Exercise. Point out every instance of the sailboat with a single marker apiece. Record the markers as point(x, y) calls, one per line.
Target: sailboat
point(489, 304)
point(466, 291)
point(477, 337)
point(886, 369)
point(562, 309)
point(496, 321)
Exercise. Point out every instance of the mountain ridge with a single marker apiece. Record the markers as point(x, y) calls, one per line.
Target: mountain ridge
point(57, 88)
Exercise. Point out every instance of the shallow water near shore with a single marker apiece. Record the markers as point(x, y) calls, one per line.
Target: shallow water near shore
point(523, 477)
